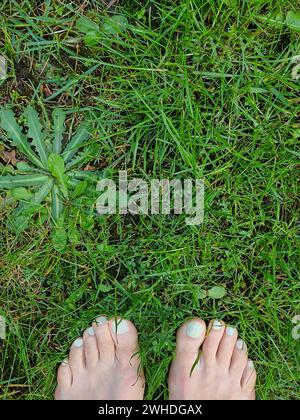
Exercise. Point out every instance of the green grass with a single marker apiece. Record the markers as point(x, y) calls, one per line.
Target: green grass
point(192, 89)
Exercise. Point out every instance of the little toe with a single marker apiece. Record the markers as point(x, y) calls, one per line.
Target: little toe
point(190, 336)
point(64, 376)
point(91, 351)
point(125, 337)
point(106, 346)
point(249, 379)
point(226, 347)
point(211, 343)
point(76, 356)
point(239, 359)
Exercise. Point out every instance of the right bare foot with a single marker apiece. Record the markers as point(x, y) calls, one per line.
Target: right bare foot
point(219, 371)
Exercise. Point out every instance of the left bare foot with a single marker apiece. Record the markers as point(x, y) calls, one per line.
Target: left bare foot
point(103, 364)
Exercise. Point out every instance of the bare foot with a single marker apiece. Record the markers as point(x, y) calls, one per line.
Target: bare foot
point(103, 365)
point(220, 371)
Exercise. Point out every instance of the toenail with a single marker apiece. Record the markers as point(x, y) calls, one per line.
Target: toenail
point(217, 325)
point(240, 344)
point(120, 327)
point(101, 320)
point(78, 342)
point(91, 331)
point(194, 329)
point(230, 331)
point(65, 362)
point(250, 364)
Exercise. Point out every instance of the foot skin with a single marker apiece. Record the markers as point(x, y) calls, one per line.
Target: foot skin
point(103, 364)
point(222, 370)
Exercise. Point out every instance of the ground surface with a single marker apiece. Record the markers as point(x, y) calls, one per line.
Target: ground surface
point(193, 88)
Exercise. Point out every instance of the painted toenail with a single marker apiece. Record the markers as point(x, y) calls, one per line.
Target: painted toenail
point(91, 331)
point(230, 331)
point(250, 364)
point(194, 329)
point(120, 327)
point(78, 342)
point(101, 320)
point(65, 362)
point(217, 325)
point(240, 344)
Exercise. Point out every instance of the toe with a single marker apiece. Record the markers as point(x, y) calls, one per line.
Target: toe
point(249, 379)
point(211, 343)
point(76, 356)
point(226, 347)
point(239, 359)
point(127, 357)
point(64, 377)
point(190, 336)
point(106, 346)
point(90, 348)
point(125, 337)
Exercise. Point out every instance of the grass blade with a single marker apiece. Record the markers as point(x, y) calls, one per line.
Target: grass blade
point(58, 116)
point(43, 192)
point(36, 134)
point(57, 168)
point(14, 133)
point(76, 142)
point(10, 181)
point(84, 157)
point(57, 204)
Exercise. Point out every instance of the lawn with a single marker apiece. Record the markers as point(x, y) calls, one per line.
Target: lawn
point(187, 89)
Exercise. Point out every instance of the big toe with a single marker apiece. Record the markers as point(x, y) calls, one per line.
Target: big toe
point(127, 359)
point(190, 336)
point(125, 337)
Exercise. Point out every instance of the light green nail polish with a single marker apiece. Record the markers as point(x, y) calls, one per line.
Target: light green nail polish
point(120, 327)
point(65, 362)
point(250, 364)
point(91, 331)
point(230, 331)
point(217, 325)
point(78, 342)
point(101, 320)
point(194, 329)
point(240, 344)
